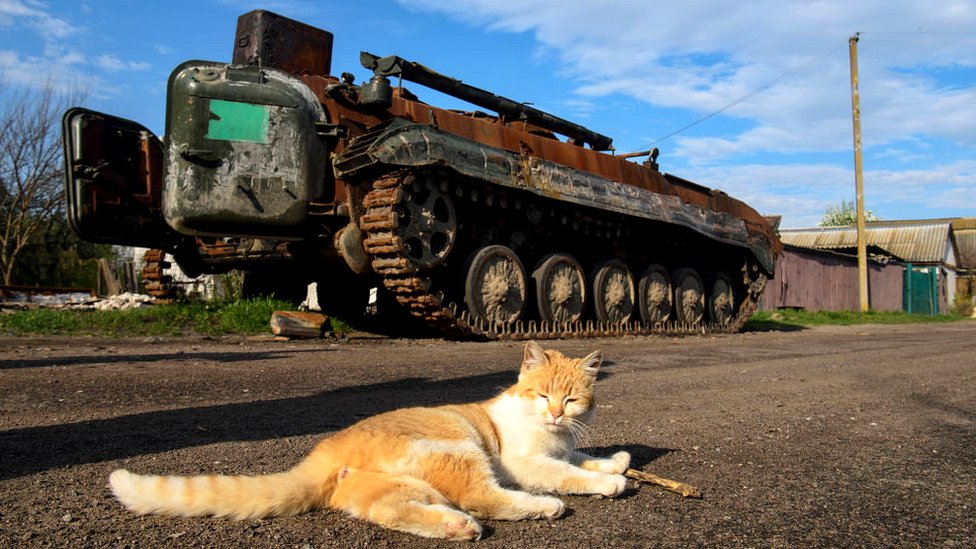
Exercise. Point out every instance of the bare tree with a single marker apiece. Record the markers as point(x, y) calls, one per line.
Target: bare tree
point(31, 172)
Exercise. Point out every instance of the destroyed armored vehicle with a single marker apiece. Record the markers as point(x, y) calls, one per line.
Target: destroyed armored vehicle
point(503, 224)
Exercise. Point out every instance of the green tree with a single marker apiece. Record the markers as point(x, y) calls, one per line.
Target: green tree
point(55, 256)
point(844, 214)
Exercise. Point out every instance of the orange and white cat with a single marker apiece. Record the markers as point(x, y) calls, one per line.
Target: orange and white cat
point(428, 471)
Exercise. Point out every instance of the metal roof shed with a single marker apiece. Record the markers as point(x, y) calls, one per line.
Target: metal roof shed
point(928, 243)
point(924, 241)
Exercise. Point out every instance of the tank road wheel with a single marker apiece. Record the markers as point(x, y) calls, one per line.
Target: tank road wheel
point(427, 224)
point(495, 287)
point(720, 299)
point(560, 288)
point(613, 292)
point(654, 294)
point(689, 296)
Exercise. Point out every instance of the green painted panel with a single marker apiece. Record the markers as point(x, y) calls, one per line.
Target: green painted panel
point(236, 121)
point(921, 294)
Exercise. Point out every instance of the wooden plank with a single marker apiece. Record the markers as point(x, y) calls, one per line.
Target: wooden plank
point(298, 324)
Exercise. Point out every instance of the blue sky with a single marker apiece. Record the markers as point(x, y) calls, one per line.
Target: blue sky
point(776, 73)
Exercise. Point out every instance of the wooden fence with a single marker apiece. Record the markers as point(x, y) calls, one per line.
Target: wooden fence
point(823, 281)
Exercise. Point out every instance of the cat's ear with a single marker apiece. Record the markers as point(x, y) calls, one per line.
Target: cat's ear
point(534, 356)
point(591, 363)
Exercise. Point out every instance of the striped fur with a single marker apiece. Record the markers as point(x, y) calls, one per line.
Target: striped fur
point(428, 471)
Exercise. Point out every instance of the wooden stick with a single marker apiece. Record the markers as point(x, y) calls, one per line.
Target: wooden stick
point(685, 490)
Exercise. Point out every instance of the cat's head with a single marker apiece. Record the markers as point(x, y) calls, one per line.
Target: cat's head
point(557, 391)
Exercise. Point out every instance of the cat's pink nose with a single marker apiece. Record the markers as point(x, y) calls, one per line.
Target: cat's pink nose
point(555, 415)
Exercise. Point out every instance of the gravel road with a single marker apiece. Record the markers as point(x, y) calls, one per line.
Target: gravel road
point(858, 436)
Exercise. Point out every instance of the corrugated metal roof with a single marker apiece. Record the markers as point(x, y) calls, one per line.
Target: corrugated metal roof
point(965, 233)
point(914, 241)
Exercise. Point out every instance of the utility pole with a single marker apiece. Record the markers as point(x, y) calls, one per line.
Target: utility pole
point(862, 255)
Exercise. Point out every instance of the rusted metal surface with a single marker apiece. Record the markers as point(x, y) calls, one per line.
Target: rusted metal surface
point(506, 108)
point(709, 211)
point(400, 276)
point(154, 278)
point(272, 159)
point(113, 186)
point(266, 39)
point(421, 145)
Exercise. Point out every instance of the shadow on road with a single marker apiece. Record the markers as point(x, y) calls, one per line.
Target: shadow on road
point(102, 358)
point(771, 326)
point(36, 449)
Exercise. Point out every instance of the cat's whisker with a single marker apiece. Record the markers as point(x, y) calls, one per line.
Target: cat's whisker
point(580, 431)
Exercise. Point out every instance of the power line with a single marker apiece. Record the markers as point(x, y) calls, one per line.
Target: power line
point(752, 93)
point(923, 42)
point(882, 33)
point(893, 35)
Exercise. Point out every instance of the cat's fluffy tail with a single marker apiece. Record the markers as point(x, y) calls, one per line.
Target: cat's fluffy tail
point(240, 497)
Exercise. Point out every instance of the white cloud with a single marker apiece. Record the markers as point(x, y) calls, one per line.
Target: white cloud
point(58, 52)
point(52, 28)
point(785, 147)
point(803, 192)
point(948, 186)
point(112, 63)
point(61, 74)
point(956, 196)
point(682, 56)
point(33, 15)
point(17, 8)
point(72, 57)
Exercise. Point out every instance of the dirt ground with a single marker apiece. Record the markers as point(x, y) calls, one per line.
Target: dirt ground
point(828, 437)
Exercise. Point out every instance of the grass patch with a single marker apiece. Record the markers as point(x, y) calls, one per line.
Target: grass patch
point(249, 316)
point(766, 320)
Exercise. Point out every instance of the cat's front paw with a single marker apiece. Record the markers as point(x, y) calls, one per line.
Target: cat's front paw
point(612, 486)
point(553, 508)
point(621, 461)
point(462, 527)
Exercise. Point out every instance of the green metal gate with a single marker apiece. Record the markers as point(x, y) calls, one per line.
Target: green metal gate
point(921, 290)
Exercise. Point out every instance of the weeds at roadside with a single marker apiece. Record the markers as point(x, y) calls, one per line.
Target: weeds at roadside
point(251, 316)
point(767, 320)
point(248, 316)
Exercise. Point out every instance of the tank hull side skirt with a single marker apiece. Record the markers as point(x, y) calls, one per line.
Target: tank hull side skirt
point(412, 145)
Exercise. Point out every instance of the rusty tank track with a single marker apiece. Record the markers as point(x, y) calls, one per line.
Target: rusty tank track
point(155, 281)
point(389, 259)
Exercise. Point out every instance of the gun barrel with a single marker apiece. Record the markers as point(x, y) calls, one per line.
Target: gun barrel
point(415, 72)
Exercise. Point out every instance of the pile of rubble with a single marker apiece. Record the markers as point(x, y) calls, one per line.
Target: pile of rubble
point(78, 301)
point(123, 302)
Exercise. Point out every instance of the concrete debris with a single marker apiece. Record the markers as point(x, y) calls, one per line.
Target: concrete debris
point(124, 302)
point(78, 301)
